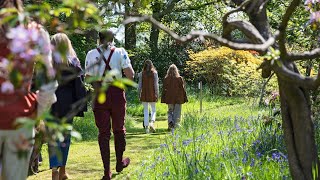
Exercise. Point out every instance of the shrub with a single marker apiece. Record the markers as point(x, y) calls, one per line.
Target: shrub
point(226, 71)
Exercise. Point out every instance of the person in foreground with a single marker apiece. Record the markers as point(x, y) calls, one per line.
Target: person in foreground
point(174, 94)
point(148, 90)
point(112, 111)
point(70, 91)
point(16, 98)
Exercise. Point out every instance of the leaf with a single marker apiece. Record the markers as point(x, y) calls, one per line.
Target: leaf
point(16, 78)
point(119, 84)
point(25, 122)
point(92, 79)
point(102, 97)
point(76, 135)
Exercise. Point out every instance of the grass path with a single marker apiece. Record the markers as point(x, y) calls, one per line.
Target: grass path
point(84, 160)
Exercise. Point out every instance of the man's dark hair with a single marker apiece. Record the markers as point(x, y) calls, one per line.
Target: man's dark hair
point(106, 36)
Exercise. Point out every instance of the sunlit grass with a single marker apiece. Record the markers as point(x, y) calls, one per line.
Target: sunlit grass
point(226, 148)
point(200, 142)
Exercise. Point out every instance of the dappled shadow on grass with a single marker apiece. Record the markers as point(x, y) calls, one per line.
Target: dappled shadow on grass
point(83, 170)
point(133, 131)
point(144, 135)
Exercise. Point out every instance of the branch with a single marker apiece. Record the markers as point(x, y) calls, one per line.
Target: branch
point(239, 8)
point(246, 28)
point(256, 6)
point(283, 27)
point(315, 53)
point(167, 9)
point(193, 8)
point(293, 77)
point(250, 31)
point(202, 35)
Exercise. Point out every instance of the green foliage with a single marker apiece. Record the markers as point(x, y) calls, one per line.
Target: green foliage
point(205, 147)
point(82, 44)
point(226, 71)
point(166, 55)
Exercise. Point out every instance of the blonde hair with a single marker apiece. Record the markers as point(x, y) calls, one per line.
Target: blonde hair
point(63, 46)
point(173, 71)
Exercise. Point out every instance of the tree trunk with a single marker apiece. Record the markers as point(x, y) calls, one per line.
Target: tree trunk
point(154, 34)
point(298, 130)
point(154, 38)
point(130, 36)
point(130, 29)
point(260, 21)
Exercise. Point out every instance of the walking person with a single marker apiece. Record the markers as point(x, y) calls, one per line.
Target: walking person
point(174, 94)
point(148, 90)
point(70, 91)
point(16, 98)
point(111, 112)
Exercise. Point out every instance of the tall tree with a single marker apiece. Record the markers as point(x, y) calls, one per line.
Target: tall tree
point(159, 10)
point(294, 88)
point(130, 29)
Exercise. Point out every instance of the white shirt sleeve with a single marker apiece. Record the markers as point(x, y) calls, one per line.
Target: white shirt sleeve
point(91, 67)
point(156, 84)
point(139, 83)
point(125, 61)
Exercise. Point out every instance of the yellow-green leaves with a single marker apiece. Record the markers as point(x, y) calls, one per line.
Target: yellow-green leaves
point(226, 71)
point(272, 54)
point(102, 97)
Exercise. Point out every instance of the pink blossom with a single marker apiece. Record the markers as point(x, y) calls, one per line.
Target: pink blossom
point(29, 54)
point(27, 43)
point(7, 87)
point(315, 16)
point(4, 63)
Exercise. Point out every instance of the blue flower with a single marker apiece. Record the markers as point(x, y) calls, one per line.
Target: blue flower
point(259, 155)
point(275, 156)
point(153, 165)
point(166, 174)
point(201, 137)
point(245, 158)
point(237, 127)
point(196, 171)
point(252, 162)
point(186, 142)
point(163, 145)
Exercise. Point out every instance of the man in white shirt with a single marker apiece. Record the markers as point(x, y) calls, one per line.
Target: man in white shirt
point(98, 61)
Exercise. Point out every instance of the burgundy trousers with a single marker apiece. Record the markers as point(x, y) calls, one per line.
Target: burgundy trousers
point(111, 114)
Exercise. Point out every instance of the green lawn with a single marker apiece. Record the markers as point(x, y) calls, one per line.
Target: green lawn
point(84, 157)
